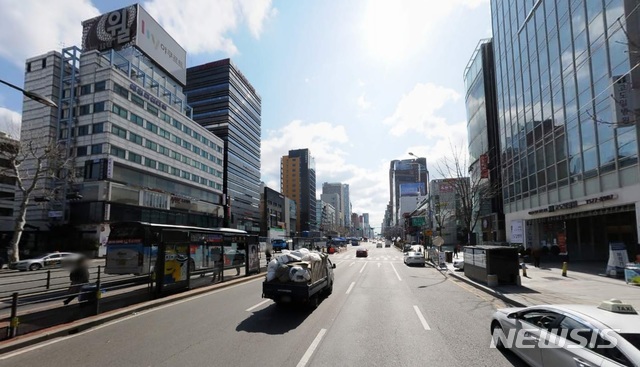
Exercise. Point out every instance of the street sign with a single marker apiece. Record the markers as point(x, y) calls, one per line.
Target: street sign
point(428, 232)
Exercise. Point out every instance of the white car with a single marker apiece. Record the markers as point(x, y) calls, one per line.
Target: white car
point(54, 260)
point(570, 335)
point(413, 257)
point(458, 264)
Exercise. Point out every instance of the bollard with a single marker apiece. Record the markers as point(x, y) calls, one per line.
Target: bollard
point(48, 279)
point(98, 292)
point(12, 330)
point(524, 270)
point(564, 268)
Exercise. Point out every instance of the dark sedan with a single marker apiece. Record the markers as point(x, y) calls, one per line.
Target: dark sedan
point(362, 252)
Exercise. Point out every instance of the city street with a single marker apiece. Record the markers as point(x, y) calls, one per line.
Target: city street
point(381, 313)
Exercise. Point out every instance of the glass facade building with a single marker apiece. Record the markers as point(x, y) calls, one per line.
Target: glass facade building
point(225, 103)
point(484, 150)
point(569, 152)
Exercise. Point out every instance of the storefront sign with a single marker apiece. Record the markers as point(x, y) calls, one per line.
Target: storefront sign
point(621, 100)
point(574, 204)
point(149, 97)
point(517, 231)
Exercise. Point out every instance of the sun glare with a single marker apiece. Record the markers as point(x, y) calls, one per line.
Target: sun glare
point(387, 30)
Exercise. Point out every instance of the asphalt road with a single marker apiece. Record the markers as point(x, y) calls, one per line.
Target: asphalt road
point(381, 313)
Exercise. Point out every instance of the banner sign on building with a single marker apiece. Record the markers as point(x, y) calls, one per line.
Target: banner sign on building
point(133, 26)
point(622, 100)
point(484, 166)
point(517, 231)
point(412, 189)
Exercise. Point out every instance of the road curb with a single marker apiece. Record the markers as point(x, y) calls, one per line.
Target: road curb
point(482, 287)
point(93, 321)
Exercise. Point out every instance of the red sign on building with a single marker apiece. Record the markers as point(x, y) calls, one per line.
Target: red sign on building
point(484, 166)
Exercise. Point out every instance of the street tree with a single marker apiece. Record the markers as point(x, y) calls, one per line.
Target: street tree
point(29, 163)
point(470, 187)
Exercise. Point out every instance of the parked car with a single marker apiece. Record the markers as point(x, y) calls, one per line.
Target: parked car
point(52, 260)
point(362, 252)
point(387, 244)
point(379, 245)
point(413, 257)
point(279, 245)
point(573, 335)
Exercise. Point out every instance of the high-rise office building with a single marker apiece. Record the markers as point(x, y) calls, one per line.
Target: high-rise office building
point(336, 202)
point(298, 181)
point(225, 103)
point(565, 74)
point(134, 152)
point(484, 156)
point(346, 201)
point(414, 175)
point(342, 190)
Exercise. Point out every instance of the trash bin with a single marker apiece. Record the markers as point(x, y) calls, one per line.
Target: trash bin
point(448, 256)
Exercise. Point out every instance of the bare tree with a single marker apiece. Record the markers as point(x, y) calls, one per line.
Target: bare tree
point(29, 163)
point(470, 187)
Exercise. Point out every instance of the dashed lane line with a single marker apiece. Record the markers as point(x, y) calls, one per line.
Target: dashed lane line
point(314, 344)
point(350, 287)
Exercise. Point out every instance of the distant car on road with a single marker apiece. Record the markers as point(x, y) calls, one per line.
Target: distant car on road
point(570, 335)
point(413, 257)
point(387, 244)
point(379, 245)
point(52, 260)
point(362, 252)
point(279, 245)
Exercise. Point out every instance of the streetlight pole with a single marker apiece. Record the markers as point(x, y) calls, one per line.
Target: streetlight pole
point(31, 95)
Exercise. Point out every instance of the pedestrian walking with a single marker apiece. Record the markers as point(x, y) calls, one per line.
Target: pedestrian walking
point(267, 254)
point(79, 276)
point(456, 249)
point(536, 256)
point(218, 263)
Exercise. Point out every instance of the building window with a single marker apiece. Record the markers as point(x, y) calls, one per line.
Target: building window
point(99, 107)
point(196, 150)
point(136, 119)
point(164, 150)
point(175, 171)
point(119, 111)
point(177, 124)
point(83, 130)
point(121, 90)
point(175, 155)
point(151, 145)
point(136, 158)
point(185, 175)
point(100, 86)
point(176, 139)
point(164, 133)
point(186, 144)
point(96, 149)
point(118, 152)
point(85, 89)
point(135, 138)
point(166, 118)
point(152, 127)
point(150, 163)
point(97, 128)
point(44, 63)
point(117, 130)
point(81, 151)
point(152, 110)
point(163, 167)
point(84, 109)
point(137, 100)
point(195, 178)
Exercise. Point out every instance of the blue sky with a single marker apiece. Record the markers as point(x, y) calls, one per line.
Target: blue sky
point(359, 82)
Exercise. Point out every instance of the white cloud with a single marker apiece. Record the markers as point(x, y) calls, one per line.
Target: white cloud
point(203, 26)
point(10, 122)
point(30, 27)
point(416, 111)
point(363, 103)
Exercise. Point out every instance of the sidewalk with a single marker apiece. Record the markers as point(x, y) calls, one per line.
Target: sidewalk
point(546, 285)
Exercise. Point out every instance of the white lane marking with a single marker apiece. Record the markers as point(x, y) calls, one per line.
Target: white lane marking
point(422, 320)
point(363, 266)
point(140, 313)
point(350, 287)
point(378, 265)
point(314, 344)
point(258, 305)
point(394, 269)
point(352, 263)
point(339, 262)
